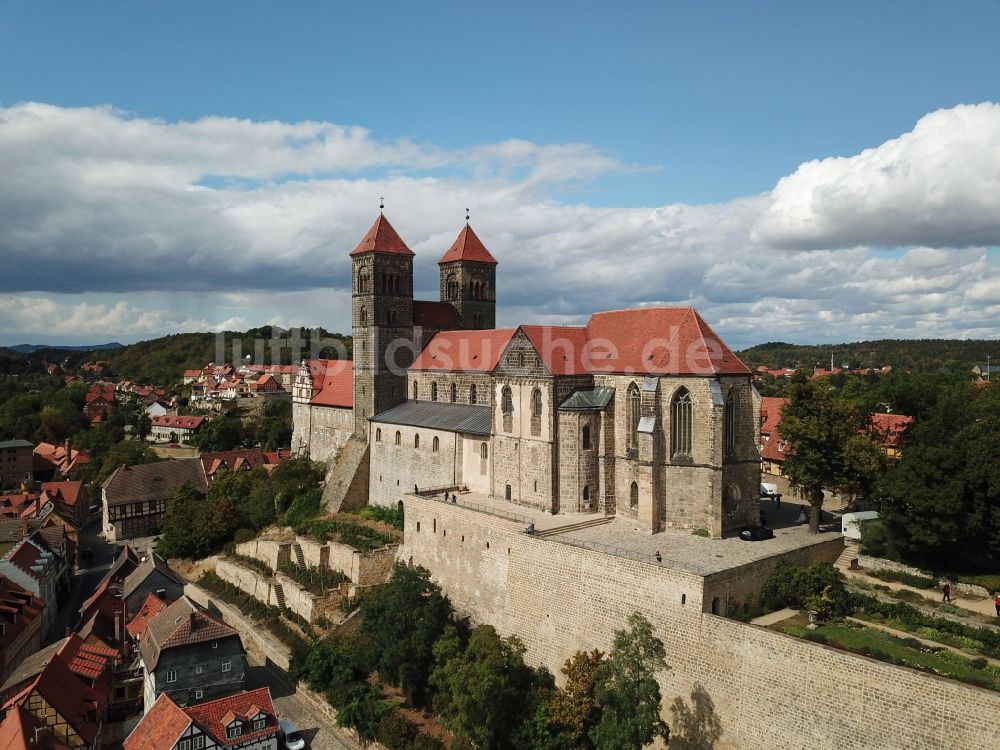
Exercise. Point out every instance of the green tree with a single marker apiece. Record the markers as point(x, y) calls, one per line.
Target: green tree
point(574, 707)
point(142, 425)
point(177, 527)
point(626, 689)
point(481, 688)
point(274, 433)
point(404, 620)
point(818, 427)
point(224, 433)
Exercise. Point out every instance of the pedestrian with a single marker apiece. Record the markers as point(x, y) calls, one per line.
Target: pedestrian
point(947, 592)
point(996, 603)
point(659, 558)
point(777, 500)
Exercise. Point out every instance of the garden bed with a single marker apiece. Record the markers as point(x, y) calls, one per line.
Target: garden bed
point(360, 534)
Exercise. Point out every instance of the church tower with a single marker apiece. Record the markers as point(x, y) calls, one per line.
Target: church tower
point(468, 280)
point(382, 317)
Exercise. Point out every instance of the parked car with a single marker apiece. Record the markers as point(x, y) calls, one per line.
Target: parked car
point(290, 736)
point(95, 510)
point(756, 533)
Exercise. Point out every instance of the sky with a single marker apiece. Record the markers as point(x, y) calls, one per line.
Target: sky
point(802, 172)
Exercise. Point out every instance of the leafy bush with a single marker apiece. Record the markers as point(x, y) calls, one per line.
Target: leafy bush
point(918, 582)
point(244, 535)
point(426, 742)
point(304, 507)
point(875, 539)
point(951, 609)
point(351, 533)
point(318, 581)
point(362, 710)
point(988, 582)
point(701, 532)
point(389, 515)
point(819, 586)
point(396, 732)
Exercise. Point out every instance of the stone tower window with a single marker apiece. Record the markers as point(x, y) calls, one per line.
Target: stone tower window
point(452, 287)
point(536, 403)
point(392, 317)
point(484, 451)
point(472, 393)
point(507, 407)
point(378, 435)
point(416, 390)
point(680, 423)
point(434, 390)
point(633, 496)
point(520, 359)
point(634, 410)
point(454, 393)
point(416, 441)
point(729, 425)
point(507, 493)
point(399, 438)
point(586, 495)
point(363, 315)
point(435, 444)
point(477, 320)
point(586, 437)
point(363, 282)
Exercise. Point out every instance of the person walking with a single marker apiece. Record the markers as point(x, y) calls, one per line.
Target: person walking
point(996, 603)
point(947, 592)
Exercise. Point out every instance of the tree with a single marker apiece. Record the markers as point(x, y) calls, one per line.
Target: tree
point(224, 433)
point(177, 527)
point(142, 425)
point(818, 427)
point(626, 689)
point(481, 688)
point(574, 707)
point(404, 620)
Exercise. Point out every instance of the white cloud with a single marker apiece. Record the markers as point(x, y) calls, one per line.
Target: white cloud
point(113, 226)
point(938, 185)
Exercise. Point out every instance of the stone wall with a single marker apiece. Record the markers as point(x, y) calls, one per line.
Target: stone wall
point(765, 689)
point(396, 468)
point(261, 587)
point(363, 568)
point(270, 551)
point(320, 429)
point(373, 568)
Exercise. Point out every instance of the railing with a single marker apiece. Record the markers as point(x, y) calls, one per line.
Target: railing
point(630, 554)
point(438, 495)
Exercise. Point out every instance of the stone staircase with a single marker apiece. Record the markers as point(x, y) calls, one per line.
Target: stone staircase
point(347, 477)
point(850, 553)
point(297, 557)
point(279, 594)
point(575, 526)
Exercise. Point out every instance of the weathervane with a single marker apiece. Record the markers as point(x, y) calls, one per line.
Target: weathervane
point(466, 214)
point(381, 203)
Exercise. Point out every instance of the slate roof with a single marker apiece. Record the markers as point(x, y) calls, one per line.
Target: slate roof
point(439, 415)
point(130, 484)
point(153, 562)
point(468, 247)
point(587, 398)
point(438, 316)
point(16, 444)
point(182, 623)
point(382, 238)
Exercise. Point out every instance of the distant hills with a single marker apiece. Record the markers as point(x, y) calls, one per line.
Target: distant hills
point(905, 354)
point(29, 348)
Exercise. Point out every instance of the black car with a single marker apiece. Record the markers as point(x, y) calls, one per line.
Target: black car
point(756, 533)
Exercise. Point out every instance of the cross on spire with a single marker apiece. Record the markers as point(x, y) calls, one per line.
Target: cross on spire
point(381, 203)
point(466, 214)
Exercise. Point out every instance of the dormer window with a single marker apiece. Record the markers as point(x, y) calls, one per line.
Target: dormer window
point(234, 730)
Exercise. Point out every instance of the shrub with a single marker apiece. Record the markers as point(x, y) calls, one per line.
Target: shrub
point(426, 742)
point(318, 581)
point(389, 515)
point(820, 586)
point(875, 539)
point(918, 582)
point(951, 609)
point(907, 595)
point(244, 535)
point(978, 663)
point(252, 562)
point(395, 731)
point(990, 582)
point(701, 532)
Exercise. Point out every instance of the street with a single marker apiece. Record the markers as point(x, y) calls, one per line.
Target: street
point(317, 730)
point(84, 581)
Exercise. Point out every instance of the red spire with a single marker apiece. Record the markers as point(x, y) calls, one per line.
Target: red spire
point(468, 247)
point(382, 238)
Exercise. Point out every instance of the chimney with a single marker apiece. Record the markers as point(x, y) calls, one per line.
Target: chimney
point(68, 447)
point(194, 621)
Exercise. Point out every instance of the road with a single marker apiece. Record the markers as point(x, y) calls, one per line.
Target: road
point(84, 582)
point(319, 733)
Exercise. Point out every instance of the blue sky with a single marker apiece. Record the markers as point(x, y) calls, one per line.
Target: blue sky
point(642, 106)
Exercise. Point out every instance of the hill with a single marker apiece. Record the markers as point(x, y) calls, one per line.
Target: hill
point(29, 348)
point(906, 354)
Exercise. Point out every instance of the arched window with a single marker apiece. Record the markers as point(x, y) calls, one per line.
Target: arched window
point(399, 438)
point(520, 359)
point(680, 423)
point(452, 287)
point(484, 451)
point(416, 441)
point(392, 317)
point(477, 320)
point(472, 393)
point(454, 393)
point(416, 390)
point(435, 444)
point(586, 493)
point(633, 496)
point(363, 315)
point(634, 410)
point(434, 390)
point(507, 493)
point(507, 401)
point(378, 435)
point(729, 425)
point(586, 437)
point(536, 403)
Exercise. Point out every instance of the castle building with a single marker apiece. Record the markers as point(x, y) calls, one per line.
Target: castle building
point(642, 413)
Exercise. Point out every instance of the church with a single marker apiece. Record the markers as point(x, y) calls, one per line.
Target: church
point(642, 413)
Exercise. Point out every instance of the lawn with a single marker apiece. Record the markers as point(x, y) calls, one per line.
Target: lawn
point(884, 647)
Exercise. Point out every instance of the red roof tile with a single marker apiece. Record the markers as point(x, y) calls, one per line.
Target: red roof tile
point(213, 716)
point(464, 351)
point(890, 427)
point(186, 423)
point(160, 728)
point(467, 247)
point(770, 412)
point(562, 348)
point(150, 608)
point(333, 382)
point(438, 316)
point(65, 492)
point(382, 238)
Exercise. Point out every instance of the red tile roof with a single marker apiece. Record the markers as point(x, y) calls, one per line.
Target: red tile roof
point(438, 316)
point(214, 716)
point(382, 238)
point(890, 427)
point(464, 351)
point(65, 492)
point(562, 348)
point(467, 247)
point(150, 608)
point(160, 728)
point(770, 412)
point(18, 610)
point(29, 555)
point(21, 730)
point(333, 382)
point(185, 423)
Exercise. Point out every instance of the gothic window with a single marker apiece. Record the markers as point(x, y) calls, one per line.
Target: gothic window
point(633, 496)
point(484, 451)
point(472, 393)
point(507, 401)
point(392, 317)
point(399, 438)
point(586, 494)
point(362, 282)
point(454, 393)
point(520, 359)
point(477, 320)
point(434, 390)
point(680, 423)
point(416, 441)
point(536, 403)
point(507, 493)
point(452, 286)
point(435, 444)
point(729, 425)
point(586, 437)
point(363, 315)
point(633, 405)
point(416, 390)
point(378, 435)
